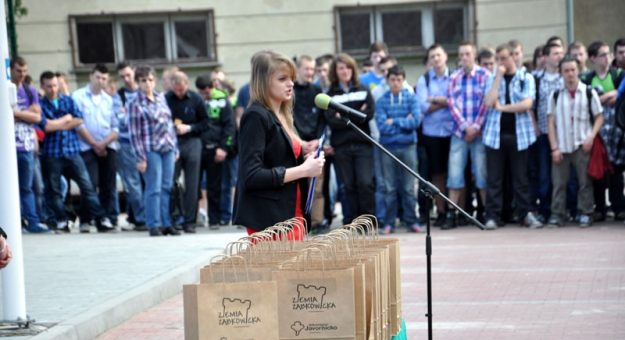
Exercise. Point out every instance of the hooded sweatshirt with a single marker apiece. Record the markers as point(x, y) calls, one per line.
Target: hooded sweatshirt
point(403, 130)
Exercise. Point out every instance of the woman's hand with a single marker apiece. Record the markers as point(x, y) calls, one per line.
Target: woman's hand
point(312, 166)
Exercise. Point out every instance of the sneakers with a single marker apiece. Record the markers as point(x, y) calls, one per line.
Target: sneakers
point(62, 228)
point(490, 225)
point(415, 228)
point(386, 230)
point(84, 228)
point(450, 220)
point(585, 221)
point(554, 223)
point(37, 229)
point(104, 225)
point(532, 221)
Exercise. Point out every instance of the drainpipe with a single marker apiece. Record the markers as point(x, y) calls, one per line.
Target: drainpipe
point(570, 27)
point(11, 28)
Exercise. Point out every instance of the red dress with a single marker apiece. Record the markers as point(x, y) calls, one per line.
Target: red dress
point(298, 229)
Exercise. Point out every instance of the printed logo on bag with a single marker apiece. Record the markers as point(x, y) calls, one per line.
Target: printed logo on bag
point(236, 312)
point(311, 297)
point(298, 327)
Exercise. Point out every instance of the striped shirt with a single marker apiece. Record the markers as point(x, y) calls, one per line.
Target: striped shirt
point(521, 87)
point(151, 126)
point(572, 119)
point(466, 98)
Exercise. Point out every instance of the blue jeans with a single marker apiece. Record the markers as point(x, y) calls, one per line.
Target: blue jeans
point(394, 175)
point(540, 176)
point(131, 178)
point(52, 169)
point(458, 155)
point(26, 172)
point(159, 178)
point(228, 180)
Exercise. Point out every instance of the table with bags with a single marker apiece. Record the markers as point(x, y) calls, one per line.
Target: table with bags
point(343, 285)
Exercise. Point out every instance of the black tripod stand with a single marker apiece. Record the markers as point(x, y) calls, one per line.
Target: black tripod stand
point(430, 192)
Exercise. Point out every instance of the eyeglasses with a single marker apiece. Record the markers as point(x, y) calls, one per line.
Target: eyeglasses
point(502, 57)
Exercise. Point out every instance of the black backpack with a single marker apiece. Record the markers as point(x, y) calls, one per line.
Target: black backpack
point(588, 95)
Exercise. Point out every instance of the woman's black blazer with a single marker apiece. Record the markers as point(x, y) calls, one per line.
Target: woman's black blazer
point(262, 199)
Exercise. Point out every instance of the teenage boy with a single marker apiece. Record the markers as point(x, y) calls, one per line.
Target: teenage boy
point(437, 124)
point(61, 154)
point(607, 78)
point(571, 136)
point(26, 113)
point(540, 165)
point(466, 91)
point(216, 142)
point(98, 147)
point(377, 51)
point(126, 160)
point(508, 134)
point(578, 51)
point(398, 116)
point(619, 53)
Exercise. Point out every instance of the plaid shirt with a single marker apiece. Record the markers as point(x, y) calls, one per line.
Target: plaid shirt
point(151, 126)
point(522, 86)
point(612, 136)
point(466, 98)
point(59, 144)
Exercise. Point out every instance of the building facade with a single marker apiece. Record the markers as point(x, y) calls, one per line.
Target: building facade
point(71, 35)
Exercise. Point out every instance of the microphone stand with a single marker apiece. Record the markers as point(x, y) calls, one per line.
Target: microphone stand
point(430, 191)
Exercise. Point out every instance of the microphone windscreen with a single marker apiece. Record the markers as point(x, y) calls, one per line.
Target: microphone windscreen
point(322, 101)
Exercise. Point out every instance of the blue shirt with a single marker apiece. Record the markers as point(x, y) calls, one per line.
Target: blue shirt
point(522, 86)
point(98, 118)
point(243, 98)
point(403, 131)
point(59, 144)
point(370, 80)
point(438, 123)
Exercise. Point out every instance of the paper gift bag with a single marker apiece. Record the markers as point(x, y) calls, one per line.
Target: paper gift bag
point(316, 304)
point(233, 311)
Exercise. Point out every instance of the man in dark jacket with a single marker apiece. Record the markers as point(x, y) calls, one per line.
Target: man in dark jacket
point(216, 142)
point(309, 122)
point(191, 120)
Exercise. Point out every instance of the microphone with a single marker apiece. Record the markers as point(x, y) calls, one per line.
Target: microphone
point(323, 101)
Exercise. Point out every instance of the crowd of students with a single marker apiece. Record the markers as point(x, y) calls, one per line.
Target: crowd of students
point(508, 141)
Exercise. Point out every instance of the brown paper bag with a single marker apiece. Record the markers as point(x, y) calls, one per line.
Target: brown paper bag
point(240, 310)
point(316, 304)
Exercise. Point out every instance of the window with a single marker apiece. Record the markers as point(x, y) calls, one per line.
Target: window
point(155, 38)
point(406, 29)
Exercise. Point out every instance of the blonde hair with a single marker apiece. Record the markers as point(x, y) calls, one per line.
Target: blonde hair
point(264, 64)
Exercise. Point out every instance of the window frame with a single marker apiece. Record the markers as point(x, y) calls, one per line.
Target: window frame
point(428, 13)
point(167, 18)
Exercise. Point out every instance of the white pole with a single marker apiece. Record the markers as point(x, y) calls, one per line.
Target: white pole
point(13, 292)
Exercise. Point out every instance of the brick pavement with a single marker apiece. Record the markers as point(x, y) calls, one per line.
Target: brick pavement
point(512, 283)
